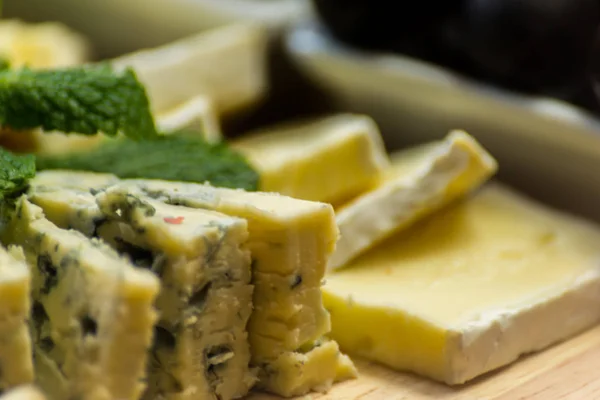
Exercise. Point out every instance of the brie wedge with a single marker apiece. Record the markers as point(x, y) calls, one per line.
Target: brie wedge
point(470, 289)
point(420, 181)
point(329, 159)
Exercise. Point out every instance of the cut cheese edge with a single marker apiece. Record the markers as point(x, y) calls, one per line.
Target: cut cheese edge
point(226, 64)
point(419, 181)
point(328, 159)
point(16, 363)
point(470, 289)
point(92, 313)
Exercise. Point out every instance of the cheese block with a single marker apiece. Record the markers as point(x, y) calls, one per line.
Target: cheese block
point(470, 289)
point(201, 348)
point(420, 181)
point(226, 64)
point(16, 364)
point(328, 159)
point(92, 313)
point(290, 241)
point(24, 392)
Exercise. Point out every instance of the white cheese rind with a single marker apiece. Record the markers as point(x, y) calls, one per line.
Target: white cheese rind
point(93, 314)
point(16, 363)
point(206, 297)
point(418, 183)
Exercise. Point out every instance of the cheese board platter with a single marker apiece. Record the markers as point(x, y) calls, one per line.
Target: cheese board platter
point(156, 257)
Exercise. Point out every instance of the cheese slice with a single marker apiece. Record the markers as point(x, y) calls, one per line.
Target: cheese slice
point(201, 347)
point(197, 116)
point(470, 289)
point(16, 364)
point(420, 181)
point(226, 64)
point(328, 159)
point(24, 392)
point(92, 313)
point(290, 241)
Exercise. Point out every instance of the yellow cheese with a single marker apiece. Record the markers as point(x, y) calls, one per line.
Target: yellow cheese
point(471, 289)
point(329, 159)
point(24, 392)
point(41, 45)
point(226, 64)
point(420, 181)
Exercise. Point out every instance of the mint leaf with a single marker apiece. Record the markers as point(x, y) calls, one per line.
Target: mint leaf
point(85, 100)
point(173, 157)
point(15, 173)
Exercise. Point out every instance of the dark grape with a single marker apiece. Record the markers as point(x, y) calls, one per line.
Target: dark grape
point(385, 24)
point(534, 45)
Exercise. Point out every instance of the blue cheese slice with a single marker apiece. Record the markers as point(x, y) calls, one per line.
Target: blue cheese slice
point(16, 364)
point(290, 241)
point(92, 312)
point(24, 392)
point(206, 298)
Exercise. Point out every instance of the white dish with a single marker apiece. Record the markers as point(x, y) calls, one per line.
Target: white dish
point(121, 26)
point(545, 147)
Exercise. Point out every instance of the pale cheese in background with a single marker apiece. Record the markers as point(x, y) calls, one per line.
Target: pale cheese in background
point(329, 159)
point(197, 116)
point(16, 363)
point(419, 181)
point(42, 45)
point(290, 241)
point(24, 392)
point(226, 64)
point(470, 289)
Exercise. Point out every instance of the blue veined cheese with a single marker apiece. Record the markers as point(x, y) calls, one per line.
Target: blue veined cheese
point(418, 182)
point(290, 241)
point(206, 298)
point(16, 364)
point(23, 392)
point(92, 314)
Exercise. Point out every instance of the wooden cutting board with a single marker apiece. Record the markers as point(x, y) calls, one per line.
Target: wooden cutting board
point(569, 370)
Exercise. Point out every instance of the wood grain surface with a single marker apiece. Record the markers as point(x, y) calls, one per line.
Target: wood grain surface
point(568, 370)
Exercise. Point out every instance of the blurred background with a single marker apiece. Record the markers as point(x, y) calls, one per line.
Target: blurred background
point(519, 75)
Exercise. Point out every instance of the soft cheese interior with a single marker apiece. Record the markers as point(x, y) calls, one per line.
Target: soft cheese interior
point(470, 289)
point(16, 366)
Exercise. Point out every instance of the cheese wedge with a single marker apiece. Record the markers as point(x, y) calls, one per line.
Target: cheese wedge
point(25, 392)
point(196, 116)
point(226, 64)
point(92, 313)
point(328, 159)
point(290, 241)
point(470, 289)
point(201, 344)
point(16, 363)
point(420, 181)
